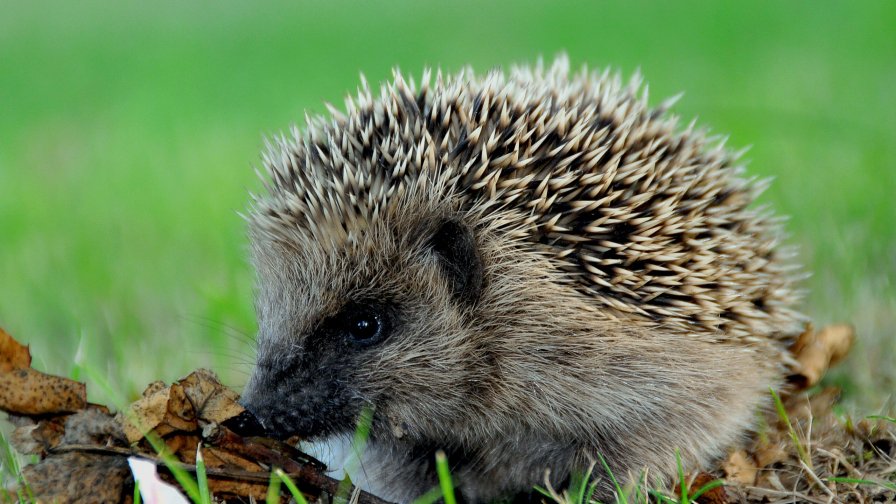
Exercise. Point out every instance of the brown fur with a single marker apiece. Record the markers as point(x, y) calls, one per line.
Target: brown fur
point(631, 304)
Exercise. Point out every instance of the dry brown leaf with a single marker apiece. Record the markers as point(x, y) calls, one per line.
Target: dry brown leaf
point(180, 414)
point(740, 467)
point(25, 391)
point(816, 351)
point(183, 446)
point(270, 452)
point(154, 387)
point(143, 414)
point(13, 355)
point(162, 410)
point(179, 407)
point(213, 401)
point(715, 495)
point(224, 488)
point(83, 449)
point(30, 392)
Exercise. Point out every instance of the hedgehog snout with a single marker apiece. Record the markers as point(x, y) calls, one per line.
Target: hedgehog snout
point(263, 399)
point(307, 394)
point(286, 409)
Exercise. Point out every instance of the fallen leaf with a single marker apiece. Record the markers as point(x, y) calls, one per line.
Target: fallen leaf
point(816, 351)
point(164, 410)
point(248, 490)
point(143, 414)
point(183, 446)
point(82, 451)
point(212, 401)
point(26, 391)
point(13, 355)
point(180, 414)
point(715, 495)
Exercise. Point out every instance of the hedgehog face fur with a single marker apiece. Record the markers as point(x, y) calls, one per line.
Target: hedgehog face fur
point(523, 271)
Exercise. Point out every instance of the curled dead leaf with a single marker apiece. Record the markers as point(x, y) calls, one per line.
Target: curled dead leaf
point(817, 351)
point(82, 450)
point(164, 410)
point(199, 397)
point(212, 401)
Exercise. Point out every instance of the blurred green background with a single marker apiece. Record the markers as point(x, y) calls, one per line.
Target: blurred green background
point(129, 130)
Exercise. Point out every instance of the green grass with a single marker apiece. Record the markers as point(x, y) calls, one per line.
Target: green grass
point(290, 485)
point(128, 132)
point(444, 473)
point(582, 488)
point(794, 438)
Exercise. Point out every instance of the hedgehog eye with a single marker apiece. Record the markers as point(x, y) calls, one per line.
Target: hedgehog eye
point(364, 325)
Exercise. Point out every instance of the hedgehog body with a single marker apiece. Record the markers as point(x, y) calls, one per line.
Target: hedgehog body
point(524, 271)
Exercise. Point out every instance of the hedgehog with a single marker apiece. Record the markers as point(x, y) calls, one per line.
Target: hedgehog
point(527, 271)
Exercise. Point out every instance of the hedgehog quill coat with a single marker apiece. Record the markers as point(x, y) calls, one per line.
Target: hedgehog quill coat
point(524, 271)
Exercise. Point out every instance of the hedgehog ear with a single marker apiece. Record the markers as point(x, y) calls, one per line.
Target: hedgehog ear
point(454, 244)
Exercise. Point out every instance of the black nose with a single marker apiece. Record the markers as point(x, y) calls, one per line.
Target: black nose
point(269, 418)
point(291, 398)
point(265, 405)
point(245, 424)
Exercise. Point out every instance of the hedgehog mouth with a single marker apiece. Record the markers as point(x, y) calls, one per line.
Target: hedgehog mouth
point(284, 416)
point(285, 422)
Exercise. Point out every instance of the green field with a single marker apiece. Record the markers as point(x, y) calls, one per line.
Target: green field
point(129, 132)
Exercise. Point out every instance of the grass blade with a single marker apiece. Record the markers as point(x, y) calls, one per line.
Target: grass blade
point(858, 481)
point(603, 462)
point(782, 413)
point(290, 485)
point(202, 478)
point(273, 496)
point(707, 487)
point(430, 497)
point(684, 488)
point(445, 478)
point(10, 463)
point(359, 442)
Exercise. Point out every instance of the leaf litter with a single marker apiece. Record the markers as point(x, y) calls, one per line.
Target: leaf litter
point(805, 452)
